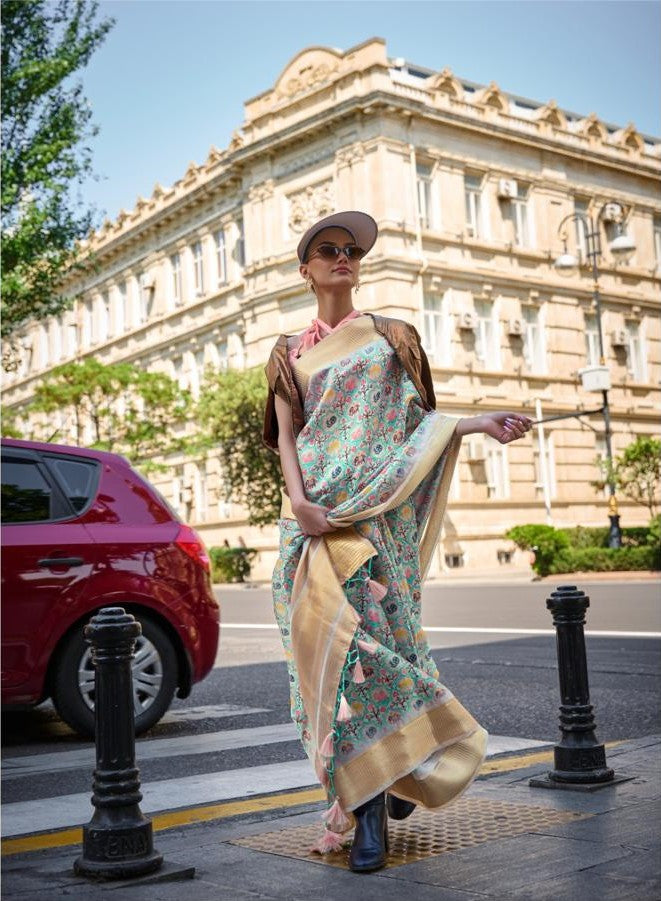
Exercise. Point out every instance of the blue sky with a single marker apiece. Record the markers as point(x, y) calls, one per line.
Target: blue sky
point(172, 76)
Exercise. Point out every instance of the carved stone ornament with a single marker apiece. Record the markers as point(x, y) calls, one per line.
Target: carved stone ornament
point(262, 191)
point(346, 156)
point(237, 140)
point(311, 204)
point(308, 76)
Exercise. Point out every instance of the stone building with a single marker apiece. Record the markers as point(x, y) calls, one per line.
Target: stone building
point(468, 185)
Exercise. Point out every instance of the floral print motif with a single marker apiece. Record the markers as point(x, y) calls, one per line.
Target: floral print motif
point(364, 427)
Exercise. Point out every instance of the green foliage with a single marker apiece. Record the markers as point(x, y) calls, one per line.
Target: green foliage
point(231, 564)
point(45, 127)
point(547, 543)
point(636, 472)
point(230, 414)
point(154, 407)
point(585, 549)
point(9, 427)
point(607, 559)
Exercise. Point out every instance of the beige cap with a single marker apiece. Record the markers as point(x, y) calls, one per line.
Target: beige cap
point(362, 228)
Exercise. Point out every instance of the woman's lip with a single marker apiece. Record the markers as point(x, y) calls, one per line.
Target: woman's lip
point(342, 269)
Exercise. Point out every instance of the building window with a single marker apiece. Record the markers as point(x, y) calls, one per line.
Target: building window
point(534, 345)
point(520, 217)
point(423, 179)
point(178, 373)
point(145, 296)
point(498, 480)
point(487, 335)
point(200, 491)
point(636, 352)
point(454, 561)
point(221, 259)
point(545, 467)
point(657, 241)
point(581, 207)
point(176, 284)
point(592, 354)
point(71, 339)
point(55, 339)
point(88, 323)
point(241, 245)
point(222, 355)
point(43, 347)
point(124, 303)
point(473, 193)
point(198, 268)
point(436, 333)
point(103, 307)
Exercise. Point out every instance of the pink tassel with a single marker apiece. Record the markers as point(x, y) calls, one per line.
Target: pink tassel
point(344, 712)
point(377, 589)
point(358, 674)
point(329, 843)
point(326, 749)
point(367, 646)
point(335, 818)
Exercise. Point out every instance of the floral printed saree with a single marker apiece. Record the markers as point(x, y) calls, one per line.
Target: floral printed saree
point(365, 692)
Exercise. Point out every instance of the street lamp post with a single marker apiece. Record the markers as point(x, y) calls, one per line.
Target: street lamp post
point(622, 248)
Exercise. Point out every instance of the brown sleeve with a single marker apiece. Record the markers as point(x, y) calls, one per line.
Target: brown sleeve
point(425, 370)
point(277, 386)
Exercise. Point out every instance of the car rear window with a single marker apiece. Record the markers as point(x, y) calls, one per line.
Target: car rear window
point(26, 495)
point(79, 478)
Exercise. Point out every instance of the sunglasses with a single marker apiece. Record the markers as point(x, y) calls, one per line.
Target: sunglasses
point(332, 252)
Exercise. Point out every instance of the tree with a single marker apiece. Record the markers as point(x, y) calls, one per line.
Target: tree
point(135, 412)
point(636, 472)
point(230, 414)
point(45, 124)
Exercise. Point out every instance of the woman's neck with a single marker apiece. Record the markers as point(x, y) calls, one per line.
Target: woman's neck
point(333, 308)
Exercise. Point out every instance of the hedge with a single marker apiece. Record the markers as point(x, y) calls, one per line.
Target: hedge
point(585, 549)
point(231, 564)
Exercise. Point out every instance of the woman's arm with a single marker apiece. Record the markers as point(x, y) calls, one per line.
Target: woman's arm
point(504, 427)
point(311, 517)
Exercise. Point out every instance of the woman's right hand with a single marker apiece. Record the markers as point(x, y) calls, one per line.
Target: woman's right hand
point(312, 518)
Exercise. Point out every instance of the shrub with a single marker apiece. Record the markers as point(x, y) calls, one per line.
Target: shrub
point(607, 559)
point(549, 544)
point(231, 564)
point(585, 549)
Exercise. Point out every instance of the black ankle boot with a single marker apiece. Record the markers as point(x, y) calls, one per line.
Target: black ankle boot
point(398, 808)
point(370, 841)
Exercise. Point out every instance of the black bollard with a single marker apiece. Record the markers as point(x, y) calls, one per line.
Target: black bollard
point(118, 841)
point(579, 758)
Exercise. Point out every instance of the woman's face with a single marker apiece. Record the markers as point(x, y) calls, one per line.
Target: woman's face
point(333, 272)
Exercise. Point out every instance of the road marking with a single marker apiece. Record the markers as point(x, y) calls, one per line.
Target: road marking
point(208, 712)
point(209, 812)
point(152, 749)
point(40, 814)
point(596, 633)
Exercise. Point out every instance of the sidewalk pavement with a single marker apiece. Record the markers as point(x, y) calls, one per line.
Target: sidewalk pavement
point(502, 840)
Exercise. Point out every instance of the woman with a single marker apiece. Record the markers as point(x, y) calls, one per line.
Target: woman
point(367, 463)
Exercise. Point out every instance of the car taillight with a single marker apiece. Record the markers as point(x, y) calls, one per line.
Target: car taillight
point(190, 543)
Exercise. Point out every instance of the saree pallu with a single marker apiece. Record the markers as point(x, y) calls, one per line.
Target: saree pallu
point(365, 692)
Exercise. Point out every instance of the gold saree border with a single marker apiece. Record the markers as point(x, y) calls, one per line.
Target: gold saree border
point(389, 762)
point(334, 347)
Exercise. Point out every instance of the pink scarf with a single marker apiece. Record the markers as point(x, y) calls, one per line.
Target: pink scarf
point(315, 332)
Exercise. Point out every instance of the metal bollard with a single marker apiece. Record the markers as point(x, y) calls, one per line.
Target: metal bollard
point(579, 758)
point(118, 840)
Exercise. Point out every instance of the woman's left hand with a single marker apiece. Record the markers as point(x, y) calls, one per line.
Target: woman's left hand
point(506, 426)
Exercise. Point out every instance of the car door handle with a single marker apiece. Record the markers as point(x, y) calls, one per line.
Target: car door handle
point(61, 561)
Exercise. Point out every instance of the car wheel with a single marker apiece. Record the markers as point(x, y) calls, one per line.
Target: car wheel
point(154, 668)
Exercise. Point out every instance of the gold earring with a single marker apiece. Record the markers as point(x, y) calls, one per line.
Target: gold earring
point(357, 284)
point(308, 284)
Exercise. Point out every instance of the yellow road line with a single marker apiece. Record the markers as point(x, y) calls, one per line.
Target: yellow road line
point(190, 815)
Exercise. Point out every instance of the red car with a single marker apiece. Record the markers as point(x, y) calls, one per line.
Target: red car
point(82, 530)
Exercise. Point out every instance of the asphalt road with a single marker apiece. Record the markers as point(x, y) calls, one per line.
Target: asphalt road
point(508, 682)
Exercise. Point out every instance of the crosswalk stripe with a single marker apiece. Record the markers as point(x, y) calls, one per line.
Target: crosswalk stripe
point(26, 817)
point(151, 749)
